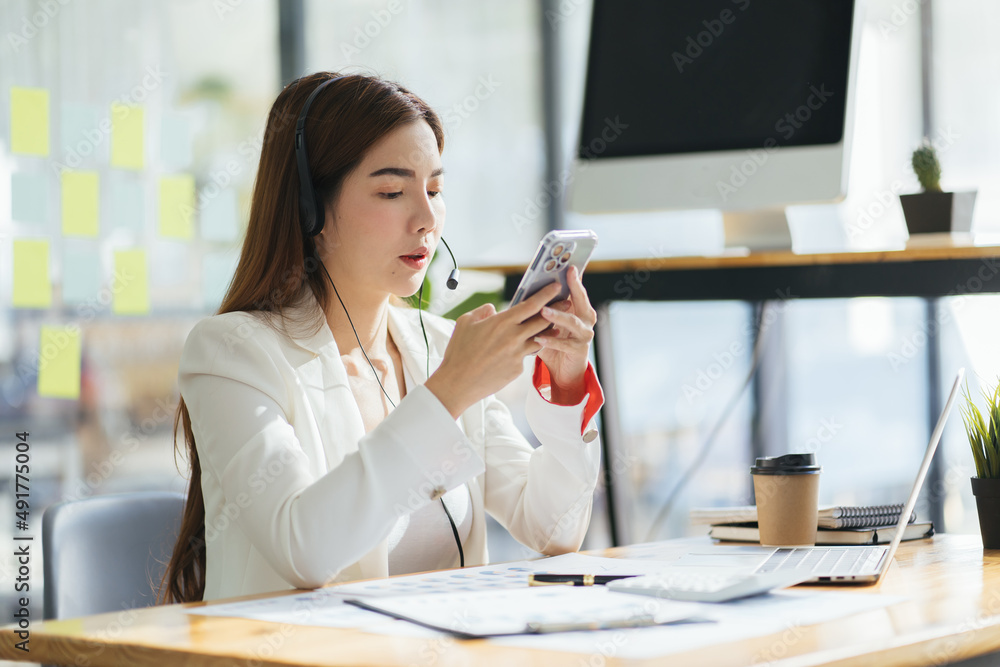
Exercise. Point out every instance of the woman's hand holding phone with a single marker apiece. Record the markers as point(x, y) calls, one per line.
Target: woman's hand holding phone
point(487, 349)
point(486, 352)
point(566, 347)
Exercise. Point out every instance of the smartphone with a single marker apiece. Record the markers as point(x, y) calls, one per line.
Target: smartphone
point(557, 251)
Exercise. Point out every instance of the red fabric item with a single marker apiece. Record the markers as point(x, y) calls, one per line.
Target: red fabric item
point(595, 399)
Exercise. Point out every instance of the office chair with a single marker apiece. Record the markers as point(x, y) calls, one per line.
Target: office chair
point(107, 553)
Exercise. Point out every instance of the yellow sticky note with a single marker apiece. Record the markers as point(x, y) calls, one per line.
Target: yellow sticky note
point(29, 121)
point(32, 287)
point(80, 194)
point(59, 362)
point(126, 136)
point(131, 283)
point(177, 206)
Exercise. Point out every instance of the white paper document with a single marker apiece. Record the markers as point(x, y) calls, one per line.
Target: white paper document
point(540, 609)
point(471, 598)
point(785, 612)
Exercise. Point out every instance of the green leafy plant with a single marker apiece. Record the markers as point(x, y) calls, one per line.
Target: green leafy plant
point(984, 438)
point(927, 168)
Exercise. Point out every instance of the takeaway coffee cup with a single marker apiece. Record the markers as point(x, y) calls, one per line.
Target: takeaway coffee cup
point(787, 491)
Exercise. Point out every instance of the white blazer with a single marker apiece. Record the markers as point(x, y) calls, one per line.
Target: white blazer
point(298, 496)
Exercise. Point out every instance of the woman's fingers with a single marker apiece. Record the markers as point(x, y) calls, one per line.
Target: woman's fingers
point(534, 326)
point(569, 345)
point(585, 311)
point(568, 322)
point(534, 303)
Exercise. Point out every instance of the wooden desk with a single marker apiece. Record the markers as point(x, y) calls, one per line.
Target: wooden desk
point(954, 614)
point(918, 271)
point(923, 270)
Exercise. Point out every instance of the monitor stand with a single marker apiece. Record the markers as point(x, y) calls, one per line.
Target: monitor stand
point(763, 229)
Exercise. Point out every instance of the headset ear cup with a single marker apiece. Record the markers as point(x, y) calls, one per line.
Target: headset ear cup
point(318, 216)
point(307, 212)
point(311, 213)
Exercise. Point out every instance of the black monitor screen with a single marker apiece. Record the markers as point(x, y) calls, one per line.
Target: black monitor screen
point(677, 76)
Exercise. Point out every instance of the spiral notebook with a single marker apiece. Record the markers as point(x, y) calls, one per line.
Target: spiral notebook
point(748, 532)
point(861, 516)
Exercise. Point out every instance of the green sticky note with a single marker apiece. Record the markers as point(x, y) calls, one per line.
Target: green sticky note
point(29, 121)
point(127, 137)
point(131, 283)
point(32, 286)
point(80, 195)
point(59, 362)
point(177, 206)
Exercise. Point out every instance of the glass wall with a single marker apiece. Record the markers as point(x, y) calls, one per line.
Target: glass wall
point(131, 133)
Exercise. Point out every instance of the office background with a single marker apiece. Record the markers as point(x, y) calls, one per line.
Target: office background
point(845, 378)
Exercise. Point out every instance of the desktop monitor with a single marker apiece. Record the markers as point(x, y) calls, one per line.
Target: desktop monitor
point(738, 105)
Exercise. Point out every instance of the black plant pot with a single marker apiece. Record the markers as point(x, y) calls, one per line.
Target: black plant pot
point(987, 493)
point(937, 212)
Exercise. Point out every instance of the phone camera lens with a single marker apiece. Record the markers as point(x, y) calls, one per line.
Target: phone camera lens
point(550, 265)
point(558, 249)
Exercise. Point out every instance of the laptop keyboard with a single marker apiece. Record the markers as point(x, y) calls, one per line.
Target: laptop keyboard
point(827, 562)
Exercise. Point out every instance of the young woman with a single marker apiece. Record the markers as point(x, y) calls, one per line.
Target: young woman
point(334, 435)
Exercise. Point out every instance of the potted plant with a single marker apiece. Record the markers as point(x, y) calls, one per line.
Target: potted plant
point(984, 436)
point(934, 211)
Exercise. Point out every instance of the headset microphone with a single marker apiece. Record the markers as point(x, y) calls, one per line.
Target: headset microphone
point(453, 276)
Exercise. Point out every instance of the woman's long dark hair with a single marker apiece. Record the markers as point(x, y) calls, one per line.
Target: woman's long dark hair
point(345, 120)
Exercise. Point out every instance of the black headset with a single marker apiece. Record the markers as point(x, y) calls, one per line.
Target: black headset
point(312, 218)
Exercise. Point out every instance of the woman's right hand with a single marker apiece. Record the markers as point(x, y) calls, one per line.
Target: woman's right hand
point(487, 350)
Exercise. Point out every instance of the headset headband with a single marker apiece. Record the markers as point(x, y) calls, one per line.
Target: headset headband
point(311, 214)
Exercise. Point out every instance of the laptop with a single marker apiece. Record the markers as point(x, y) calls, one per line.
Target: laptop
point(827, 565)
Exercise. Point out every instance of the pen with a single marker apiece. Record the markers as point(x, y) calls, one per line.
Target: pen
point(633, 622)
point(574, 579)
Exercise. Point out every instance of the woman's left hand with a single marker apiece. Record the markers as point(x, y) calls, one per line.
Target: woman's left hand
point(566, 346)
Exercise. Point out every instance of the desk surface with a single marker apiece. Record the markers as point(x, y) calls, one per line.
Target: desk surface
point(915, 253)
point(954, 613)
point(921, 270)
